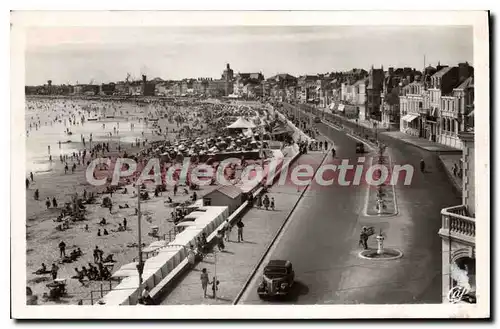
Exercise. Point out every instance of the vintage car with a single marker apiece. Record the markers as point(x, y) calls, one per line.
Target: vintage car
point(277, 280)
point(360, 148)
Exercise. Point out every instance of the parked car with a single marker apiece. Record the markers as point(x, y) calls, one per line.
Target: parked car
point(277, 280)
point(317, 119)
point(360, 147)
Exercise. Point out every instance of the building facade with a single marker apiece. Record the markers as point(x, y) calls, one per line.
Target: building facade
point(458, 233)
point(373, 94)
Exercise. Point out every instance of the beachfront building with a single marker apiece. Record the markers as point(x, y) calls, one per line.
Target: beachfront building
point(413, 100)
point(228, 78)
point(307, 88)
point(216, 88)
point(458, 231)
point(373, 94)
point(354, 94)
point(248, 85)
point(200, 86)
point(107, 89)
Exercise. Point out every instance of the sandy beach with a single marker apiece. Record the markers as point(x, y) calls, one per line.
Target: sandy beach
point(51, 180)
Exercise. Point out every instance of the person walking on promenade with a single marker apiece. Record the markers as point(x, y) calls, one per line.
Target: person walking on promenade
point(272, 204)
point(31, 177)
point(27, 183)
point(66, 168)
point(422, 165)
point(266, 202)
point(227, 230)
point(204, 281)
point(215, 286)
point(326, 145)
point(47, 202)
point(191, 256)
point(36, 195)
point(240, 226)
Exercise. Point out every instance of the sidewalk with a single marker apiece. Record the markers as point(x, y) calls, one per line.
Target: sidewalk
point(235, 264)
point(421, 142)
point(448, 161)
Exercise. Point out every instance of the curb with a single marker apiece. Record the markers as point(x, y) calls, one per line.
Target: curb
point(259, 263)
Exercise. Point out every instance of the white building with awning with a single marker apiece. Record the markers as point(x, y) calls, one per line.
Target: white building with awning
point(410, 117)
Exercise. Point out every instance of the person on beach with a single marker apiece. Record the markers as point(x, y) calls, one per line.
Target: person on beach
point(204, 281)
point(47, 202)
point(272, 203)
point(125, 224)
point(27, 183)
point(54, 202)
point(62, 249)
point(36, 195)
point(53, 271)
point(31, 177)
point(66, 168)
point(99, 232)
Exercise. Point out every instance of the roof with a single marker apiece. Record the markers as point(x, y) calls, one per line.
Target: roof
point(230, 191)
point(442, 72)
point(277, 262)
point(469, 82)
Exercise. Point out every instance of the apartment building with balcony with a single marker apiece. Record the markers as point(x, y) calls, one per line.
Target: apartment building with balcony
point(458, 231)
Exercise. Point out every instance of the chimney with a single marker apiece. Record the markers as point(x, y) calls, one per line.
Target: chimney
point(391, 70)
point(463, 71)
point(227, 66)
point(144, 78)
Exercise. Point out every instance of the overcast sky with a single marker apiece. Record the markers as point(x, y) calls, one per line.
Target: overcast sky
point(107, 54)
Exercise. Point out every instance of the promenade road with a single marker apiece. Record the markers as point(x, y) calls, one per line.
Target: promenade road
point(321, 237)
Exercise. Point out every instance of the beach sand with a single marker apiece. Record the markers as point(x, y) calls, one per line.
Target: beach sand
point(43, 238)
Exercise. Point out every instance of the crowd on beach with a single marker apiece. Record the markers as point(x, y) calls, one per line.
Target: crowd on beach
point(175, 131)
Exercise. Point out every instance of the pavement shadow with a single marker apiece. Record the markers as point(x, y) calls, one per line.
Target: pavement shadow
point(227, 252)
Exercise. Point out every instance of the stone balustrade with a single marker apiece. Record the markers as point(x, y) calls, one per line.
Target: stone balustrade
point(457, 224)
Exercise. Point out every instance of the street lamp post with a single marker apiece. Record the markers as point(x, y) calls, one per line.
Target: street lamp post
point(140, 265)
point(215, 274)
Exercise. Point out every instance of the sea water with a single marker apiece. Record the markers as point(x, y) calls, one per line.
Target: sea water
point(38, 141)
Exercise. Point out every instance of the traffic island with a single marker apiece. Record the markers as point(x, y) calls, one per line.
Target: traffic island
point(381, 199)
point(380, 253)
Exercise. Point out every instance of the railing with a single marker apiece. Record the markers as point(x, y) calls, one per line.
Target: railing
point(456, 223)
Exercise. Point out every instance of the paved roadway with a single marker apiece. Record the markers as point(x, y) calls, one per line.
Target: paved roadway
point(320, 238)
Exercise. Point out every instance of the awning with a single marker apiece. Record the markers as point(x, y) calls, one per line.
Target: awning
point(410, 117)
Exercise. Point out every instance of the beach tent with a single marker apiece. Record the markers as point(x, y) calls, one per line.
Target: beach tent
point(241, 123)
